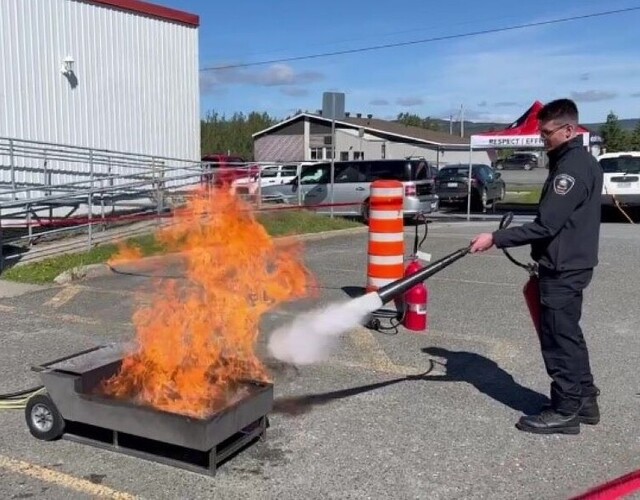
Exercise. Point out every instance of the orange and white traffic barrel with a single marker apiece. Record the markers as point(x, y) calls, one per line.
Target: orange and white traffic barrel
point(386, 234)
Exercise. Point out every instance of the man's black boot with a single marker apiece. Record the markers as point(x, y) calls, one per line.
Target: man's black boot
point(550, 421)
point(589, 411)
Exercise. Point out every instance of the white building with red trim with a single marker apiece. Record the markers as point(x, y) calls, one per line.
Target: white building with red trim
point(109, 74)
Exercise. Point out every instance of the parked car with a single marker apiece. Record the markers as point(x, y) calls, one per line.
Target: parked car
point(518, 161)
point(452, 185)
point(621, 183)
point(269, 175)
point(352, 186)
point(223, 170)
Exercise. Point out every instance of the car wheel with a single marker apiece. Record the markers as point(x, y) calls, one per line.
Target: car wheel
point(503, 193)
point(365, 211)
point(527, 166)
point(478, 200)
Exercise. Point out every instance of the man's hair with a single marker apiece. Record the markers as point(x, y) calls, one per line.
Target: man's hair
point(564, 110)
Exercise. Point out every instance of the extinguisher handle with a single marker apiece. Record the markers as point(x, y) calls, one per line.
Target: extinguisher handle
point(504, 223)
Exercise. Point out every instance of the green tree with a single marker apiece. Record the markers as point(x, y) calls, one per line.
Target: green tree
point(414, 120)
point(634, 141)
point(614, 136)
point(233, 135)
point(410, 120)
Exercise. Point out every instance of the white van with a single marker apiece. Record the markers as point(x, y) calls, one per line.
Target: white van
point(621, 178)
point(352, 182)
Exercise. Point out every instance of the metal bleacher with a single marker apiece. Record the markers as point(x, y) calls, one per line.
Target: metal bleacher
point(47, 190)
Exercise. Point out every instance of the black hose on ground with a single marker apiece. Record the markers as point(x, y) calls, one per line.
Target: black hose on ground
point(17, 394)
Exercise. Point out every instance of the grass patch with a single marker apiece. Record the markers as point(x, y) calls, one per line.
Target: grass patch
point(46, 270)
point(525, 195)
point(283, 223)
point(288, 223)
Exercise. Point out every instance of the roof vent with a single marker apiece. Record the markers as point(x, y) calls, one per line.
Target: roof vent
point(369, 116)
point(347, 114)
point(359, 115)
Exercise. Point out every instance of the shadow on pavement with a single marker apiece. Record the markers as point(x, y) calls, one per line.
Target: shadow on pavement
point(488, 378)
point(298, 405)
point(354, 291)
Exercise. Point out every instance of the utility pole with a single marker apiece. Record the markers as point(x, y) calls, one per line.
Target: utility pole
point(333, 148)
point(450, 123)
point(461, 120)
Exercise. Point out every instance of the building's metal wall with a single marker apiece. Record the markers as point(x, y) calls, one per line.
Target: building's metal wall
point(134, 88)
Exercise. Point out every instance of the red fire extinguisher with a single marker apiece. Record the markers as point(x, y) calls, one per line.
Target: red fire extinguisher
point(531, 292)
point(415, 299)
point(531, 289)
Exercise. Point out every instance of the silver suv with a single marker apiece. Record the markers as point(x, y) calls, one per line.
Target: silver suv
point(352, 186)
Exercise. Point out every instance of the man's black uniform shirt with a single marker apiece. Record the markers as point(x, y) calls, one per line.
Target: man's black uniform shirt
point(565, 233)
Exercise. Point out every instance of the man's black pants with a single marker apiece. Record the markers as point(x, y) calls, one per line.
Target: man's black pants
point(564, 349)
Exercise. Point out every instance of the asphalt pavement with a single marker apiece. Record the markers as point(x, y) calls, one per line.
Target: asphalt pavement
point(388, 415)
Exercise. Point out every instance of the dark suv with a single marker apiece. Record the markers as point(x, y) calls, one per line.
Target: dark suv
point(524, 161)
point(452, 185)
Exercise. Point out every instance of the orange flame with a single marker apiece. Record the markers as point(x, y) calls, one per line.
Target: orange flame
point(125, 254)
point(196, 338)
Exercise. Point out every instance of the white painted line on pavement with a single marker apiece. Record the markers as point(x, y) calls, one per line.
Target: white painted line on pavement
point(61, 479)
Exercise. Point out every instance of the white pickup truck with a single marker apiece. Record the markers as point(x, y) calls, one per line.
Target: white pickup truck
point(269, 176)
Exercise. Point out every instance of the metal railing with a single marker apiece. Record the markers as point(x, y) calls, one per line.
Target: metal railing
point(85, 196)
point(58, 198)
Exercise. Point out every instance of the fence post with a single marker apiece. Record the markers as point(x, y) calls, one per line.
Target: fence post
point(1, 246)
point(333, 170)
point(90, 199)
point(155, 175)
point(13, 168)
point(29, 228)
point(259, 200)
point(47, 183)
point(299, 186)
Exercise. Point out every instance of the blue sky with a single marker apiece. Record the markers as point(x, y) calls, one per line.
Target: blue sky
point(495, 76)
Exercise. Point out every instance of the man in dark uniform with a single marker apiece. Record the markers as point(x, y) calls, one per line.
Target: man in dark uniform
point(564, 239)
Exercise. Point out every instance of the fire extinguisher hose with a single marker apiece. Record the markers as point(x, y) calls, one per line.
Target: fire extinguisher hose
point(530, 268)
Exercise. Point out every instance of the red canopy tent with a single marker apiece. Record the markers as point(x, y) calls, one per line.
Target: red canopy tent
point(522, 133)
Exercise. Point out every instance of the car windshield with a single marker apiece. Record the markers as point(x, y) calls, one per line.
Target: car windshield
point(621, 164)
point(455, 171)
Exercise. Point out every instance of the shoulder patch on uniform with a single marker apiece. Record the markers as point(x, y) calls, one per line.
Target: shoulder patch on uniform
point(563, 183)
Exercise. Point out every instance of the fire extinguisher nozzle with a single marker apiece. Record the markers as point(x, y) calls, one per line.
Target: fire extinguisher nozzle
point(398, 287)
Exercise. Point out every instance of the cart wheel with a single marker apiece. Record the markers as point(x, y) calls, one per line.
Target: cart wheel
point(43, 418)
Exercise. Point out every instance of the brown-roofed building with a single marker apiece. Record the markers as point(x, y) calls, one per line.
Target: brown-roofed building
point(307, 137)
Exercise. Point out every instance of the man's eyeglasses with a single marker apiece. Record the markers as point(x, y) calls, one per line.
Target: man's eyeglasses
point(549, 133)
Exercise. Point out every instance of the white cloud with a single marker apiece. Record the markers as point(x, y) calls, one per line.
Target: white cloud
point(294, 91)
point(410, 101)
point(379, 102)
point(593, 96)
point(273, 76)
